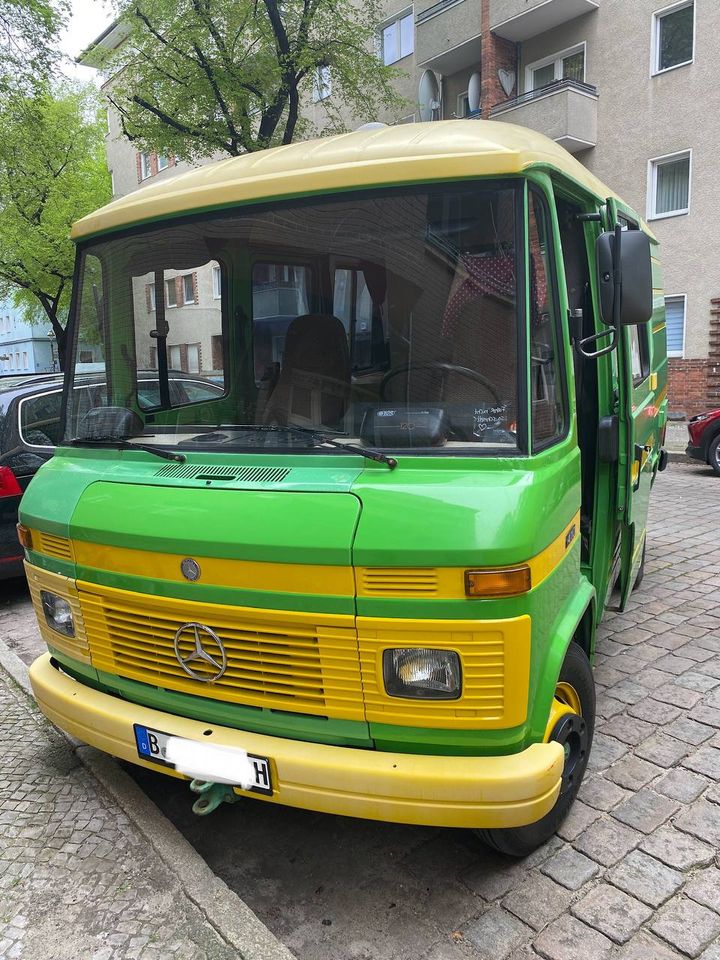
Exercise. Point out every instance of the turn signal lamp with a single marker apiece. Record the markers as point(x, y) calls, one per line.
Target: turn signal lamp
point(503, 582)
point(24, 536)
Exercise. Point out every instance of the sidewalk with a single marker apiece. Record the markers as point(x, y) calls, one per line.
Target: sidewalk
point(79, 880)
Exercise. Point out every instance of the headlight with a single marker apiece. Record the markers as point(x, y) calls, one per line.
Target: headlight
point(422, 674)
point(58, 613)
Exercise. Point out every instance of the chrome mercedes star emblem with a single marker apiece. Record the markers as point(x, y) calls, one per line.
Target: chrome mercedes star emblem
point(205, 647)
point(190, 569)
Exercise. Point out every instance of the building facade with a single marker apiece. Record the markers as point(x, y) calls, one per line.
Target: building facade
point(24, 347)
point(632, 89)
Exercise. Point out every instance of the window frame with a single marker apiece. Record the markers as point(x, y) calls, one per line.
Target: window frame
point(653, 164)
point(185, 301)
point(322, 84)
point(217, 287)
point(555, 58)
point(683, 297)
point(161, 157)
point(658, 15)
point(35, 396)
point(396, 18)
point(168, 281)
point(145, 166)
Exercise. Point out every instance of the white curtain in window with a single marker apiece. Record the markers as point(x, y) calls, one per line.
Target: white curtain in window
point(675, 320)
point(672, 185)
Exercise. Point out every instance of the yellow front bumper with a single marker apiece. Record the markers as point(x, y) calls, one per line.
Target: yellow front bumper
point(404, 788)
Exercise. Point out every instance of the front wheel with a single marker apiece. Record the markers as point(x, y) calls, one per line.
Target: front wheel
point(571, 723)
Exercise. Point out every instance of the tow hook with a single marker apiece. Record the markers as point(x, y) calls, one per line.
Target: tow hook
point(211, 796)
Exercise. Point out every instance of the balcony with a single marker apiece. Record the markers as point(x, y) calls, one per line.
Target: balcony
point(521, 19)
point(565, 111)
point(447, 35)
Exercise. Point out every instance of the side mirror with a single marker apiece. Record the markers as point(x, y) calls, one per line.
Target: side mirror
point(624, 277)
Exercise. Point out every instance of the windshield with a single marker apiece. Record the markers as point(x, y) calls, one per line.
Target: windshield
point(386, 319)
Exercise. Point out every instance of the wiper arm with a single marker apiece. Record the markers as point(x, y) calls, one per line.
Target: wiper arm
point(118, 443)
point(319, 436)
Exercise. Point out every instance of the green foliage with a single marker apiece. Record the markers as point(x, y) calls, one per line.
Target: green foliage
point(197, 78)
point(52, 172)
point(28, 30)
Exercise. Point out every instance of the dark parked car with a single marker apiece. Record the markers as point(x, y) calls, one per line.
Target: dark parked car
point(29, 431)
point(704, 442)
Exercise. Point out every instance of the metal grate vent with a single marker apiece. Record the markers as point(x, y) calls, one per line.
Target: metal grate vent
point(195, 471)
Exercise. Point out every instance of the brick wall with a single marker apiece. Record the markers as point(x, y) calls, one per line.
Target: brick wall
point(496, 53)
point(688, 385)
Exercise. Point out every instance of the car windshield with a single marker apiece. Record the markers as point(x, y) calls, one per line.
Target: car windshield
point(386, 319)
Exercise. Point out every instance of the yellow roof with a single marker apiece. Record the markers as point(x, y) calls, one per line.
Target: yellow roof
point(413, 152)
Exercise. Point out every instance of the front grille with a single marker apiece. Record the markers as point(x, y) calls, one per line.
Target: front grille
point(52, 546)
point(299, 662)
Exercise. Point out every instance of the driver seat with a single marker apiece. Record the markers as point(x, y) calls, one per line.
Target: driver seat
point(314, 383)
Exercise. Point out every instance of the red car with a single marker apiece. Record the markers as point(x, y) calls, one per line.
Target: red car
point(704, 430)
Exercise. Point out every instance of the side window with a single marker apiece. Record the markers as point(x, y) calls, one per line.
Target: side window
point(40, 419)
point(361, 316)
point(547, 390)
point(639, 352)
point(280, 293)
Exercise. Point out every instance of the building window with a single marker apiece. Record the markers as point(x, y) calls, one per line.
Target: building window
point(162, 162)
point(145, 166)
point(669, 185)
point(25, 360)
point(675, 311)
point(170, 293)
point(673, 37)
point(188, 288)
point(217, 283)
point(322, 84)
point(398, 38)
point(565, 65)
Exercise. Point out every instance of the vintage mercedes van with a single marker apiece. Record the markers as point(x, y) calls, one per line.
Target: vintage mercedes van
point(364, 577)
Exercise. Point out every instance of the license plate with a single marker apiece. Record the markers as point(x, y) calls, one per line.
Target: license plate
point(152, 745)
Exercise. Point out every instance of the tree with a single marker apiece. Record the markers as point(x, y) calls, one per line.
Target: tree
point(52, 172)
point(195, 78)
point(28, 30)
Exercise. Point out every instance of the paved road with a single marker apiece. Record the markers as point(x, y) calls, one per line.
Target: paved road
point(634, 874)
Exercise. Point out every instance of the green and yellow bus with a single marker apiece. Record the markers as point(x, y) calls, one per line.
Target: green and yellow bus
point(357, 564)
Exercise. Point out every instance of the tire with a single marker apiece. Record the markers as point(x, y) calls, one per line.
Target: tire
point(641, 568)
point(521, 841)
point(714, 455)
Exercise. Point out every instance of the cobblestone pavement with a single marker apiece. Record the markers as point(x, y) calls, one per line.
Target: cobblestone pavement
point(633, 874)
point(77, 882)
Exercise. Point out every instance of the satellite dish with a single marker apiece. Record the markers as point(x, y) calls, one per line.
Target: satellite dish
point(473, 93)
point(429, 96)
point(371, 125)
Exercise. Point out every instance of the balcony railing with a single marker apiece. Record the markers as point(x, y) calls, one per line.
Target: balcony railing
point(555, 87)
point(519, 20)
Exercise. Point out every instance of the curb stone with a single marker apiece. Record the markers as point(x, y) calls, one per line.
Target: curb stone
point(230, 916)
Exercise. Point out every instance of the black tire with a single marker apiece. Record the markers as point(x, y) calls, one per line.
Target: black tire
point(521, 841)
point(714, 455)
point(641, 568)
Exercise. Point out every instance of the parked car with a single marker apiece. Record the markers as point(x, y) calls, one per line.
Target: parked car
point(704, 430)
point(30, 409)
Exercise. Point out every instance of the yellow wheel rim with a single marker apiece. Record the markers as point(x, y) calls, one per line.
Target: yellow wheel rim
point(566, 701)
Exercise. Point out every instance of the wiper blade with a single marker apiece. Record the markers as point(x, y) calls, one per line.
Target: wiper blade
point(118, 443)
point(319, 437)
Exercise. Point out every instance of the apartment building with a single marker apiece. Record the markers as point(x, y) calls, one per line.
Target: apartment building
point(630, 87)
point(24, 347)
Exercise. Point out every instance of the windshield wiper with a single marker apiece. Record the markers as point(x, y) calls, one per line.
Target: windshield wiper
point(118, 443)
point(319, 437)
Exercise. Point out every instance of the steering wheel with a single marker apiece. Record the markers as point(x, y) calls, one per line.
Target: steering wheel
point(445, 368)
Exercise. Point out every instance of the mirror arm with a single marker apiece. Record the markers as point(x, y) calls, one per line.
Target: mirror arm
point(593, 354)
